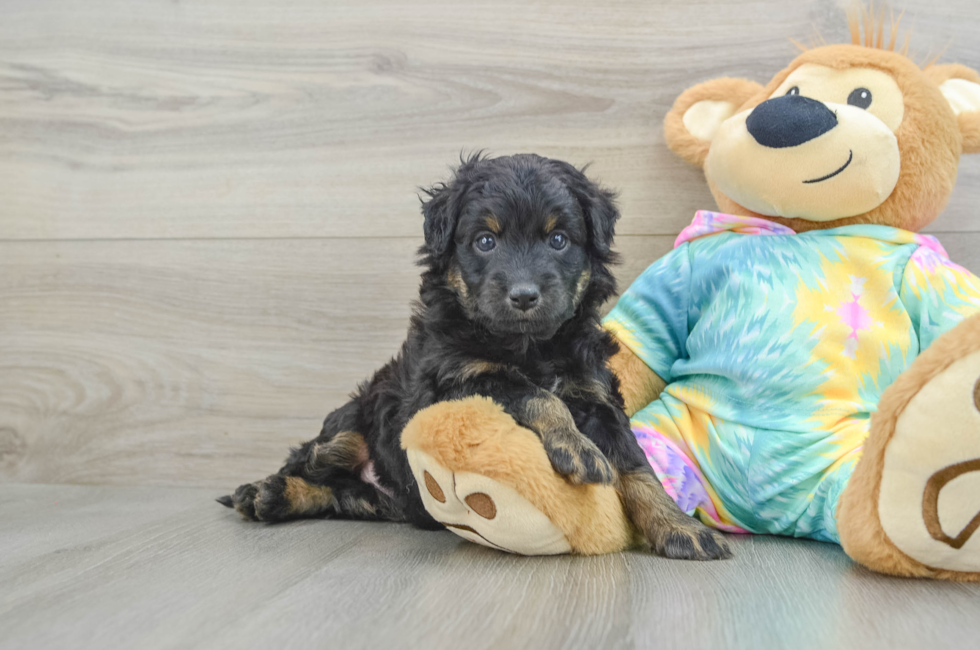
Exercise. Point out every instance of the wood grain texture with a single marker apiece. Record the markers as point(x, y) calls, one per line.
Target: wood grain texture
point(207, 209)
point(100, 567)
point(194, 362)
point(250, 118)
point(208, 219)
point(201, 362)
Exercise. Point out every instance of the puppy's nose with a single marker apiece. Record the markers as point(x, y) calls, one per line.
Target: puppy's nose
point(524, 296)
point(789, 121)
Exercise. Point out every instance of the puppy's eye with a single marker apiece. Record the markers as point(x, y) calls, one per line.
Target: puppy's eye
point(485, 243)
point(795, 90)
point(558, 240)
point(860, 97)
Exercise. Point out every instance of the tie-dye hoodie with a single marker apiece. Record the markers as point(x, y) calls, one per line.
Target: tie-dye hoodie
point(776, 348)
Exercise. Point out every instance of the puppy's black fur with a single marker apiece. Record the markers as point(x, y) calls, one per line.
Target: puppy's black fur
point(515, 260)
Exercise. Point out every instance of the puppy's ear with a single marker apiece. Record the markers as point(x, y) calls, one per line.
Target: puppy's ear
point(960, 86)
point(444, 204)
point(598, 207)
point(696, 115)
point(440, 220)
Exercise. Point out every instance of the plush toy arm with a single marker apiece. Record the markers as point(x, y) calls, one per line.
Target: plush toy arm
point(638, 384)
point(650, 325)
point(938, 294)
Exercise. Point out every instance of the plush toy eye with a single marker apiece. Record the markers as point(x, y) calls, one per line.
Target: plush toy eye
point(795, 90)
point(558, 240)
point(860, 97)
point(485, 243)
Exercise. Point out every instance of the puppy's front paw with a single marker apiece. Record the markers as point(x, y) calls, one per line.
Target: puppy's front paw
point(688, 539)
point(578, 459)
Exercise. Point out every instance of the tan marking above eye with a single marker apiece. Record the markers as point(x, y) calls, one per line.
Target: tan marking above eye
point(550, 224)
point(482, 505)
point(493, 224)
point(433, 487)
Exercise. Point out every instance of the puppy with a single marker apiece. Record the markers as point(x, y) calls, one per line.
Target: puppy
point(515, 261)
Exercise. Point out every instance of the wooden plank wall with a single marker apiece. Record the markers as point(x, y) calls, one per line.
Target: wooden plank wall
point(208, 208)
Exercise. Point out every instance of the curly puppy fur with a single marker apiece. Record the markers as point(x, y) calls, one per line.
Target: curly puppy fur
point(516, 266)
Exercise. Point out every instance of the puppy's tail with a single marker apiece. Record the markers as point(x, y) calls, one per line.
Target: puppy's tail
point(225, 501)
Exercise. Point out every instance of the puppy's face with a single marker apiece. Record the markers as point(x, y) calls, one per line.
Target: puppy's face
point(527, 236)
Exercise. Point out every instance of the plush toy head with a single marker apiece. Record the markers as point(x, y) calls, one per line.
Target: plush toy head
point(845, 134)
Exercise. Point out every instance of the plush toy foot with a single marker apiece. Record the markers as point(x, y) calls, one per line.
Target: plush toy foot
point(912, 506)
point(489, 480)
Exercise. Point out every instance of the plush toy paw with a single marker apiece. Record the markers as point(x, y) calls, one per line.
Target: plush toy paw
point(912, 506)
point(485, 511)
point(490, 481)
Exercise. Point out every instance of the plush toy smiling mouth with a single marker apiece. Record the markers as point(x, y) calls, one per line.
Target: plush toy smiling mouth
point(772, 159)
point(850, 157)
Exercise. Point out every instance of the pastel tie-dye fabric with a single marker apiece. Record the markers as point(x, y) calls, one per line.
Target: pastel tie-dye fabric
point(776, 348)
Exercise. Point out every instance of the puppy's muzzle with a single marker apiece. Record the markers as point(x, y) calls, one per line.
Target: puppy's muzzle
point(524, 297)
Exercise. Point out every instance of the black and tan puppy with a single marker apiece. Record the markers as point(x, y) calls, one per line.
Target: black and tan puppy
point(516, 262)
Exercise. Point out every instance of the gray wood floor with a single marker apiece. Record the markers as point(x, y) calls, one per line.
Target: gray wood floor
point(144, 567)
point(208, 209)
point(208, 218)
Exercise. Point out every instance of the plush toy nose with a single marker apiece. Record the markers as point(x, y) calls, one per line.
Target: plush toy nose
point(789, 121)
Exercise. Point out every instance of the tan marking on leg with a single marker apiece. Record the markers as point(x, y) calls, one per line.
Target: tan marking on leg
point(669, 531)
point(347, 450)
point(645, 501)
point(548, 413)
point(304, 498)
point(930, 504)
point(433, 487)
point(365, 507)
point(482, 505)
point(589, 388)
point(493, 224)
point(565, 445)
point(479, 367)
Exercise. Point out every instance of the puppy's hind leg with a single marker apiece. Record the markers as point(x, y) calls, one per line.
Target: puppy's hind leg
point(669, 531)
point(321, 478)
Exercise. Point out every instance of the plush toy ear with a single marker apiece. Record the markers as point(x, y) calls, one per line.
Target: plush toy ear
point(961, 87)
point(699, 111)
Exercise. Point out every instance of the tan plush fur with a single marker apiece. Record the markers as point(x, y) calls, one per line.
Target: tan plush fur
point(969, 122)
point(637, 383)
point(685, 145)
point(476, 435)
point(857, 518)
point(929, 137)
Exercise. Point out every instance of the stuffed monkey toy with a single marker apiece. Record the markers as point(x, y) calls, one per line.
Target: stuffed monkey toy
point(803, 363)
